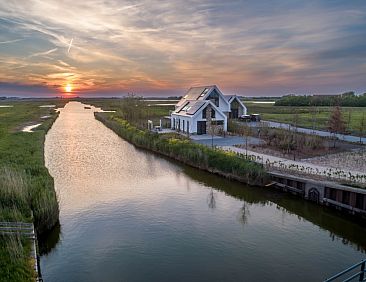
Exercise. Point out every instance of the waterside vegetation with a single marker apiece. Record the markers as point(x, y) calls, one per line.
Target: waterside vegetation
point(179, 148)
point(26, 192)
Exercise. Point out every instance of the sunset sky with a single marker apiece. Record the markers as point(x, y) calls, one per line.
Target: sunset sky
point(164, 47)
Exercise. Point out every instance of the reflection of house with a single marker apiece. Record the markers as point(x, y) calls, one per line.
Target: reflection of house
point(205, 105)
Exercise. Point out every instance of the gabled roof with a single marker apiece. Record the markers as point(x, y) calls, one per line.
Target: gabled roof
point(191, 108)
point(198, 93)
point(230, 98)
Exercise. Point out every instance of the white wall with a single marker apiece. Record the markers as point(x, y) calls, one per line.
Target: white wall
point(193, 121)
point(181, 119)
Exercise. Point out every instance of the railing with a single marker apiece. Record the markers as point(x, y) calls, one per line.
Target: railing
point(360, 275)
point(26, 230)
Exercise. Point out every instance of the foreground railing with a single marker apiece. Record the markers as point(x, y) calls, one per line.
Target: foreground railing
point(343, 276)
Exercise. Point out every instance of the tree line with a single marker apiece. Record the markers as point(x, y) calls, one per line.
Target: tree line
point(348, 99)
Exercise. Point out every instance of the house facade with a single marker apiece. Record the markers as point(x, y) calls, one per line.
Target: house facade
point(205, 108)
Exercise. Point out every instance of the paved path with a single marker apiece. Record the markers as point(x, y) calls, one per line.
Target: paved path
point(224, 141)
point(348, 138)
point(304, 167)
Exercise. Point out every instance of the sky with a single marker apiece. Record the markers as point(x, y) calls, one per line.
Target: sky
point(161, 48)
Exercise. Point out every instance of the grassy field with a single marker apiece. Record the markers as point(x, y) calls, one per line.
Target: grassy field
point(309, 117)
point(149, 110)
point(26, 186)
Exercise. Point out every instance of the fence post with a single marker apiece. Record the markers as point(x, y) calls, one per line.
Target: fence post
point(362, 275)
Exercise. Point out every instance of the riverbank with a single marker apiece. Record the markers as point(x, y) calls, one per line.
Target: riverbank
point(215, 161)
point(27, 192)
point(123, 207)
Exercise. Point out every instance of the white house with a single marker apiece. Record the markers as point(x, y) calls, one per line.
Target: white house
point(192, 112)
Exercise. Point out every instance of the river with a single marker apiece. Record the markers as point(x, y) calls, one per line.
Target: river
point(129, 215)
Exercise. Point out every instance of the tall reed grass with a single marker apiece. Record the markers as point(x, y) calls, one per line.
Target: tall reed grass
point(213, 160)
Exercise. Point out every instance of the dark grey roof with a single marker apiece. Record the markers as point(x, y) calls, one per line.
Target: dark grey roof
point(228, 97)
point(190, 107)
point(195, 93)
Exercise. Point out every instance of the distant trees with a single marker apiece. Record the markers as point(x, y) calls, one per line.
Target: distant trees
point(336, 124)
point(347, 99)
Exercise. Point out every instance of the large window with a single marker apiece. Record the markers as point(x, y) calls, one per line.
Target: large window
point(213, 113)
point(214, 97)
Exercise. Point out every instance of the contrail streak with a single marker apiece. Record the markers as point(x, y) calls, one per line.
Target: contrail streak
point(68, 50)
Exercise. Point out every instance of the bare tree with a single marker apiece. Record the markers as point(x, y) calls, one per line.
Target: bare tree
point(336, 123)
point(314, 115)
point(211, 124)
point(362, 127)
point(349, 121)
point(132, 108)
point(245, 131)
point(294, 138)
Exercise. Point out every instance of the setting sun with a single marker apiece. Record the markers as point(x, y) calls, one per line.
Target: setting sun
point(68, 88)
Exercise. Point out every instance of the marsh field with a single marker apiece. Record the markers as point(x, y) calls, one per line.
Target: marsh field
point(26, 193)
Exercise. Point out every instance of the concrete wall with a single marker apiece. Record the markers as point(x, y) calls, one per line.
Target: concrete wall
point(332, 194)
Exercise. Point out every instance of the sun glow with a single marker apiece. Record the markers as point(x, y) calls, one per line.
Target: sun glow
point(68, 88)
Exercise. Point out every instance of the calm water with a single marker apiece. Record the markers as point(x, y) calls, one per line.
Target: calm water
point(129, 215)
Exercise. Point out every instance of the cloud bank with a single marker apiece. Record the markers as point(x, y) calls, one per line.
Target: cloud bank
point(163, 47)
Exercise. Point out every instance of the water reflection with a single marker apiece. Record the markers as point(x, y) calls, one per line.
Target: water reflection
point(129, 215)
point(211, 202)
point(347, 229)
point(244, 213)
point(48, 241)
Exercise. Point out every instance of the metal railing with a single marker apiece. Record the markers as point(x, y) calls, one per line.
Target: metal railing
point(360, 275)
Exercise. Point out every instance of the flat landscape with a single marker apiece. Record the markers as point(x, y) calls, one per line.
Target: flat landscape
point(200, 140)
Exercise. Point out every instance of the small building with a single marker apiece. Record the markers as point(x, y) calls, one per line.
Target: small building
point(203, 106)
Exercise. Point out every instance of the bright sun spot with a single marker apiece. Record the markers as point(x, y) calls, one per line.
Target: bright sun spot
point(68, 88)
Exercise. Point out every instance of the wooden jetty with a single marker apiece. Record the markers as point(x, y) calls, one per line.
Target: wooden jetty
point(25, 230)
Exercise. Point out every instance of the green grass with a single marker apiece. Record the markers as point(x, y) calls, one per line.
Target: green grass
point(26, 186)
point(306, 117)
point(151, 109)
